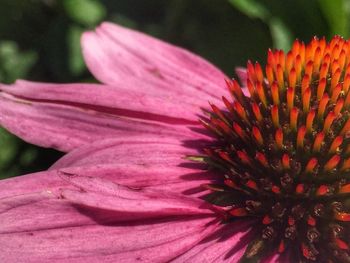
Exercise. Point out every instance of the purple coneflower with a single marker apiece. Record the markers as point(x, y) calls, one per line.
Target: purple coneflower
point(265, 180)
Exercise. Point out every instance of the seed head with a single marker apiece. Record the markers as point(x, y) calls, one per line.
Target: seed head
point(283, 148)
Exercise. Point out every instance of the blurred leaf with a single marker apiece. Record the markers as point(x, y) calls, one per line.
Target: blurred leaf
point(281, 35)
point(75, 59)
point(86, 12)
point(336, 14)
point(251, 8)
point(14, 64)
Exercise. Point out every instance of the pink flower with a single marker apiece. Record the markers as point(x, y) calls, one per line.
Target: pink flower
point(126, 193)
point(149, 88)
point(266, 180)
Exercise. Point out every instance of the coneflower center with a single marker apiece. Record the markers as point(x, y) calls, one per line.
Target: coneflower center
point(283, 148)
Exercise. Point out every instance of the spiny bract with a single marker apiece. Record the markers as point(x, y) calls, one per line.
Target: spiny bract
point(284, 152)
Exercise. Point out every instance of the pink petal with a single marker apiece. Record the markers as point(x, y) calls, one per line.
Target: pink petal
point(141, 151)
point(40, 228)
point(136, 162)
point(121, 101)
point(66, 127)
point(116, 55)
point(228, 244)
point(38, 211)
point(182, 180)
point(132, 204)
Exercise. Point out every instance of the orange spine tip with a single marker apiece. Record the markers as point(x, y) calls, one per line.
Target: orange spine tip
point(328, 122)
point(218, 112)
point(281, 58)
point(305, 83)
point(225, 156)
point(237, 90)
point(324, 71)
point(292, 77)
point(257, 113)
point(290, 98)
point(345, 217)
point(332, 163)
point(275, 116)
point(259, 72)
point(302, 52)
point(327, 57)
point(294, 118)
point(295, 47)
point(275, 189)
point(230, 183)
point(311, 221)
point(306, 251)
point(279, 138)
point(257, 135)
point(309, 52)
point(346, 128)
point(335, 144)
point(322, 190)
point(335, 52)
point(345, 189)
point(238, 130)
point(222, 125)
point(251, 184)
point(270, 57)
point(342, 59)
point(240, 110)
point(238, 212)
point(262, 159)
point(269, 73)
point(244, 157)
point(275, 93)
point(320, 88)
point(346, 83)
point(309, 120)
point(251, 71)
point(291, 221)
point(289, 61)
point(227, 104)
point(267, 220)
point(346, 165)
point(279, 76)
point(338, 107)
point(341, 244)
point(347, 71)
point(299, 189)
point(317, 59)
point(261, 93)
point(336, 91)
point(318, 142)
point(281, 247)
point(285, 161)
point(347, 100)
point(306, 100)
point(298, 66)
point(308, 68)
point(335, 78)
point(251, 88)
point(311, 165)
point(322, 106)
point(300, 137)
point(334, 67)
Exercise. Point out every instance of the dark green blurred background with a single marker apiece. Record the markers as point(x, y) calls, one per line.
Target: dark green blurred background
point(39, 40)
